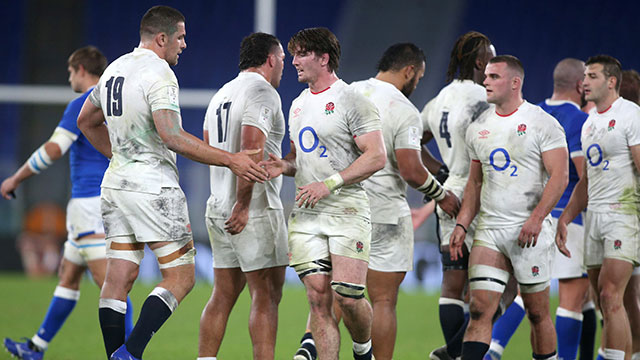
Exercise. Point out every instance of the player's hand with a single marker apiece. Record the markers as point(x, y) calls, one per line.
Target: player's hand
point(309, 195)
point(274, 166)
point(243, 166)
point(9, 185)
point(561, 239)
point(528, 236)
point(238, 220)
point(455, 243)
point(450, 204)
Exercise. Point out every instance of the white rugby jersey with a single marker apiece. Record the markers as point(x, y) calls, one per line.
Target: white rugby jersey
point(322, 127)
point(510, 150)
point(246, 100)
point(402, 129)
point(613, 177)
point(130, 90)
point(447, 117)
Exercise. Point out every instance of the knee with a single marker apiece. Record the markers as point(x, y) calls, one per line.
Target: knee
point(347, 305)
point(536, 316)
point(477, 310)
point(610, 299)
point(320, 300)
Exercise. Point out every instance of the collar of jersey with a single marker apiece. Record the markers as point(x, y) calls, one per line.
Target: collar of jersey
point(139, 49)
point(609, 108)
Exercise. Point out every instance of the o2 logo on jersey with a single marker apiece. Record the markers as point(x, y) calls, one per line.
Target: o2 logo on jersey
point(314, 145)
point(595, 157)
point(507, 161)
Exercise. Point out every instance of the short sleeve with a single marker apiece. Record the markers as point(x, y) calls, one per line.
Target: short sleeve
point(163, 94)
point(262, 108)
point(552, 134)
point(425, 115)
point(574, 142)
point(362, 115)
point(409, 128)
point(69, 119)
point(469, 144)
point(94, 97)
point(633, 130)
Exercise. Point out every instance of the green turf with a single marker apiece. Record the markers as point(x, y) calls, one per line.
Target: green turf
point(24, 303)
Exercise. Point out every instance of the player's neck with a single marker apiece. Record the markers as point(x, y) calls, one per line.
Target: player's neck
point(605, 103)
point(149, 45)
point(572, 96)
point(259, 70)
point(510, 106)
point(323, 82)
point(392, 78)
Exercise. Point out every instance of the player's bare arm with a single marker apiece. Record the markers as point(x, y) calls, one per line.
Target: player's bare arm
point(372, 159)
point(556, 162)
point(432, 164)
point(285, 166)
point(415, 174)
point(10, 184)
point(91, 123)
point(577, 206)
point(468, 210)
point(251, 138)
point(171, 132)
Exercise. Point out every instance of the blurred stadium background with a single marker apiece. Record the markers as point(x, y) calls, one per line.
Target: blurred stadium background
point(40, 35)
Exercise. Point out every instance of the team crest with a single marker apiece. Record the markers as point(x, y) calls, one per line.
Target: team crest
point(535, 270)
point(612, 125)
point(328, 110)
point(359, 246)
point(522, 129)
point(617, 245)
point(296, 112)
point(188, 227)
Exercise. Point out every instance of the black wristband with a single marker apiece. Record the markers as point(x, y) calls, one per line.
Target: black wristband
point(463, 228)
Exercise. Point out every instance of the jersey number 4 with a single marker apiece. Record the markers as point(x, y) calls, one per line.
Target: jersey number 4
point(222, 132)
point(444, 129)
point(114, 96)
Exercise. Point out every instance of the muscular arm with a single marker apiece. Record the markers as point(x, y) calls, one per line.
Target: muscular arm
point(432, 164)
point(171, 132)
point(91, 123)
point(577, 203)
point(251, 138)
point(372, 159)
point(556, 162)
point(468, 210)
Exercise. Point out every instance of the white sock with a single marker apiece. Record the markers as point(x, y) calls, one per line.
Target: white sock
point(207, 358)
point(613, 354)
point(361, 348)
point(635, 356)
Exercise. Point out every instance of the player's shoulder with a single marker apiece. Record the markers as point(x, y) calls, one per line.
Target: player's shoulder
point(629, 107)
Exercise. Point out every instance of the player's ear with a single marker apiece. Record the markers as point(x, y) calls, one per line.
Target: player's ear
point(161, 39)
point(409, 72)
point(579, 87)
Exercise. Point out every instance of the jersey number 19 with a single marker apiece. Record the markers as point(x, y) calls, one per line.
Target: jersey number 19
point(114, 91)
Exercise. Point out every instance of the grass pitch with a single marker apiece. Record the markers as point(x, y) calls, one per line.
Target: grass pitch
point(24, 303)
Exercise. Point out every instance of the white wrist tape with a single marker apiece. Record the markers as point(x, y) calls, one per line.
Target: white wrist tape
point(432, 189)
point(334, 181)
point(64, 138)
point(39, 160)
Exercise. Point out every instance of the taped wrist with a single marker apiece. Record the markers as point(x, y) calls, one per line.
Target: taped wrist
point(334, 182)
point(39, 160)
point(432, 189)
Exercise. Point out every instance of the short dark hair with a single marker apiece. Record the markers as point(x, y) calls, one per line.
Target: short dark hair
point(512, 62)
point(159, 19)
point(610, 67)
point(255, 49)
point(464, 54)
point(630, 87)
point(90, 58)
point(398, 56)
point(319, 40)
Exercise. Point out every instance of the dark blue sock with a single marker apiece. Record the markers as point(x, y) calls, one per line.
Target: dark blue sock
point(153, 314)
point(474, 350)
point(112, 326)
point(588, 336)
point(452, 318)
point(61, 305)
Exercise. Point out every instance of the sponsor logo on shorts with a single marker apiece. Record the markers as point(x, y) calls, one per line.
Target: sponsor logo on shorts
point(328, 110)
point(617, 245)
point(359, 246)
point(189, 227)
point(522, 129)
point(612, 125)
point(483, 134)
point(535, 270)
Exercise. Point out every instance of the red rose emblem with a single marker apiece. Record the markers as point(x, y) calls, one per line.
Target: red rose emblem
point(330, 106)
point(535, 271)
point(612, 125)
point(359, 246)
point(617, 244)
point(522, 128)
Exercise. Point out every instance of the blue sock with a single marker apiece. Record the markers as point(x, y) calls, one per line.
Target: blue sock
point(569, 329)
point(600, 354)
point(157, 308)
point(61, 305)
point(508, 323)
point(128, 319)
